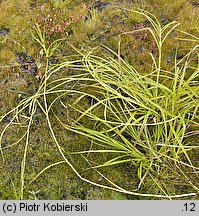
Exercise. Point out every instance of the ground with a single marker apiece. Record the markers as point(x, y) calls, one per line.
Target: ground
point(84, 24)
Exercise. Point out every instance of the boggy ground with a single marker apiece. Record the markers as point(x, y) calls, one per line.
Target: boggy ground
point(85, 24)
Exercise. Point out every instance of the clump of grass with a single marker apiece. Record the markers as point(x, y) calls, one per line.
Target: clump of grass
point(139, 119)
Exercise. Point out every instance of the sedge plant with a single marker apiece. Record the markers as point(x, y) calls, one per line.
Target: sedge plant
point(139, 118)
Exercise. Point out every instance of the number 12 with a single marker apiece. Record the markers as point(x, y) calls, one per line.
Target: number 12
point(190, 206)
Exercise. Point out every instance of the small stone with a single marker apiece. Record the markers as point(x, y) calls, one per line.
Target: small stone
point(4, 31)
point(100, 178)
point(100, 5)
point(19, 96)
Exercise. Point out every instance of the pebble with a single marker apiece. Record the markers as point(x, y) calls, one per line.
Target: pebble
point(100, 5)
point(4, 31)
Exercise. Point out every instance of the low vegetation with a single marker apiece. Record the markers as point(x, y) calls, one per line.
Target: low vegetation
point(113, 108)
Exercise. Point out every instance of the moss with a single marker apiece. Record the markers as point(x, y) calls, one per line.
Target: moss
point(89, 27)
